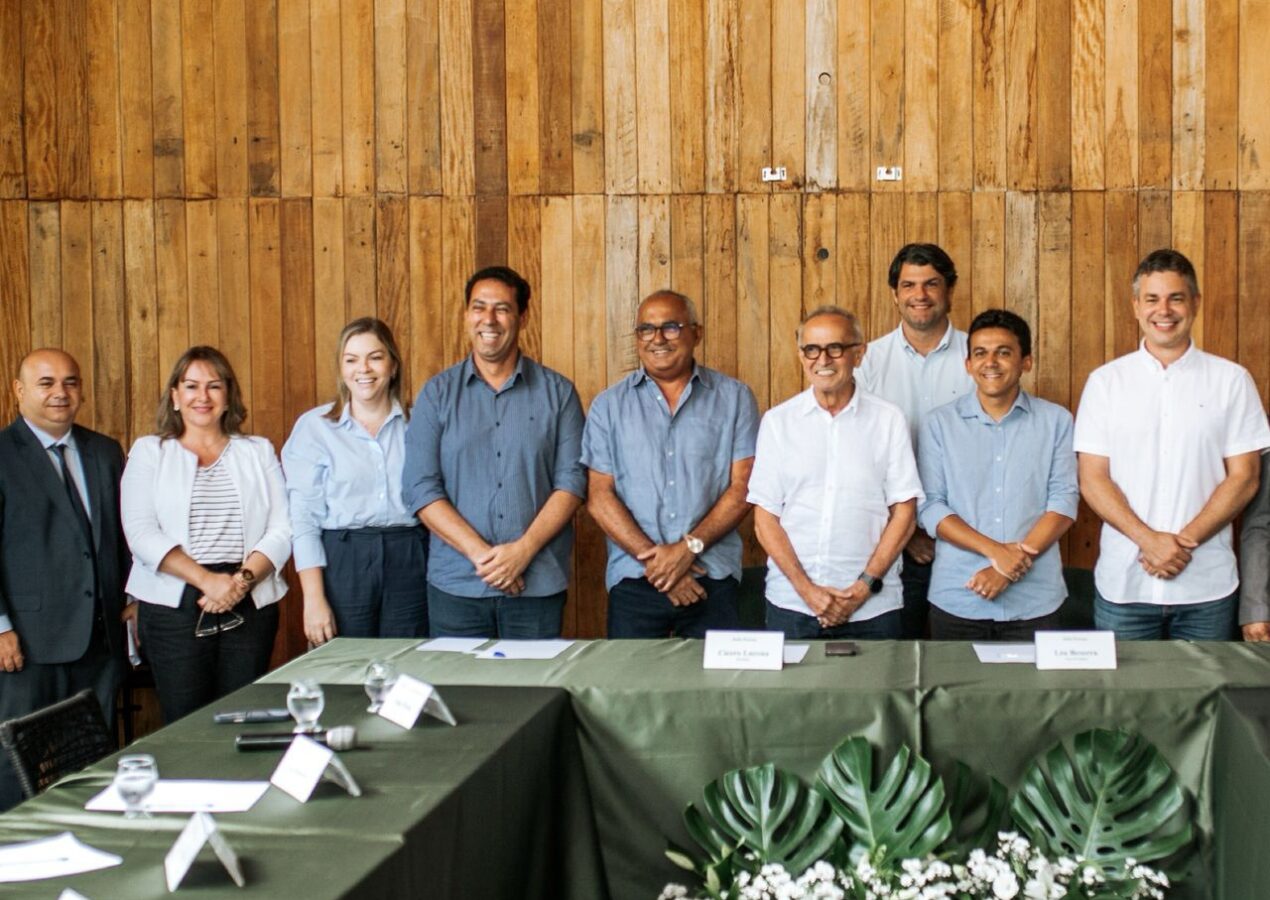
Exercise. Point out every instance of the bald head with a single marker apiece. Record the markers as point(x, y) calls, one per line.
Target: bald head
point(49, 390)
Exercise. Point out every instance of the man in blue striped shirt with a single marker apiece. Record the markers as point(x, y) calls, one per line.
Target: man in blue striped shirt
point(999, 474)
point(492, 470)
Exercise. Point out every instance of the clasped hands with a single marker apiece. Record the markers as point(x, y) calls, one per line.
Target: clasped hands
point(1164, 555)
point(834, 606)
point(1008, 563)
point(503, 566)
point(222, 591)
point(672, 569)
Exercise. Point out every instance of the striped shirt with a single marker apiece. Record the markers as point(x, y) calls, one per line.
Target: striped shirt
point(216, 517)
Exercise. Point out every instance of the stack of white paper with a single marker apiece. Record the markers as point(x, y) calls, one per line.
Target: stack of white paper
point(53, 857)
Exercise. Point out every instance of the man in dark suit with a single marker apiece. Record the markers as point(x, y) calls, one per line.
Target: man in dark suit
point(63, 559)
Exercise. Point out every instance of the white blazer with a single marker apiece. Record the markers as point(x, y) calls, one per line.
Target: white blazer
point(155, 503)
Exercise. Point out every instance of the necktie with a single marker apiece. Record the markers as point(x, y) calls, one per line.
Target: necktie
point(72, 494)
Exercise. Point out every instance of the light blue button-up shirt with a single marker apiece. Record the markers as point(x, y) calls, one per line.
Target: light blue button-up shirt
point(917, 384)
point(338, 476)
point(496, 456)
point(670, 469)
point(1000, 478)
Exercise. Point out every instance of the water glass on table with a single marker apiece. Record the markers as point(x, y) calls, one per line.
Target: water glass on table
point(381, 675)
point(135, 778)
point(305, 702)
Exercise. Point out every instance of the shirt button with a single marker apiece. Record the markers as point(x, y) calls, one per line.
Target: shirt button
point(499, 454)
point(500, 484)
point(672, 515)
point(998, 459)
point(672, 484)
point(998, 490)
point(496, 424)
point(670, 452)
point(998, 518)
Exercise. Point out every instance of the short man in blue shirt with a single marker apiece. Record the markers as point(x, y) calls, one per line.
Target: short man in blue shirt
point(492, 470)
point(669, 450)
point(999, 474)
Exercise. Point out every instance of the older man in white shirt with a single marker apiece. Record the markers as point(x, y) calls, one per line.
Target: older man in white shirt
point(835, 489)
point(1169, 439)
point(919, 366)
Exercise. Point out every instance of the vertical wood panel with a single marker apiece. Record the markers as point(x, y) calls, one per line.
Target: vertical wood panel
point(988, 217)
point(654, 244)
point(234, 263)
point(1254, 116)
point(143, 379)
point(77, 300)
point(754, 93)
point(326, 67)
point(330, 308)
point(1122, 93)
point(357, 83)
point(263, 141)
point(1121, 261)
point(70, 43)
point(555, 96)
point(171, 270)
point(886, 32)
point(105, 168)
point(295, 102)
point(956, 93)
point(1155, 223)
point(789, 86)
point(1188, 94)
point(203, 272)
point(921, 95)
point(39, 99)
point(587, 32)
point(1254, 270)
point(390, 94)
point(1087, 341)
point(1222, 282)
point(423, 98)
point(876, 310)
point(621, 275)
point(1088, 62)
point(1022, 261)
point(266, 348)
point(137, 144)
point(989, 95)
point(230, 51)
point(109, 322)
point(489, 86)
point(686, 28)
point(359, 256)
point(1222, 100)
point(196, 135)
point(555, 294)
point(1021, 92)
point(1155, 92)
point(15, 302)
point(721, 139)
point(1052, 320)
point(590, 313)
point(522, 97)
point(854, 121)
point(457, 160)
point(753, 301)
point(785, 285)
point(1054, 94)
point(687, 247)
point(956, 217)
point(719, 338)
point(821, 80)
point(524, 254)
point(621, 145)
point(45, 267)
point(12, 168)
point(819, 251)
point(853, 274)
point(392, 263)
point(652, 95)
point(458, 250)
point(427, 302)
point(295, 234)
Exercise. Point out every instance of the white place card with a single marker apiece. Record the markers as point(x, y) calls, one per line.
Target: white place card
point(405, 701)
point(70, 894)
point(1075, 649)
point(453, 644)
point(763, 650)
point(1005, 653)
point(200, 830)
point(795, 653)
point(301, 767)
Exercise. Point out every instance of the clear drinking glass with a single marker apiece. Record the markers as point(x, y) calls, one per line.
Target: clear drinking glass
point(381, 675)
point(305, 702)
point(135, 777)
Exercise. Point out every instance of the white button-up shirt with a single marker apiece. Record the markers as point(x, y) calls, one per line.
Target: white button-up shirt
point(1167, 433)
point(830, 481)
point(896, 372)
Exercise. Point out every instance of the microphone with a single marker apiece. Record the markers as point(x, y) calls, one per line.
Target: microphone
point(341, 737)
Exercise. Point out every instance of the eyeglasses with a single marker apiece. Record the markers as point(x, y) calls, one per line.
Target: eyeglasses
point(224, 622)
point(668, 330)
point(833, 351)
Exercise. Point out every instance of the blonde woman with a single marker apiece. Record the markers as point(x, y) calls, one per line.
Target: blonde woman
point(205, 513)
point(361, 555)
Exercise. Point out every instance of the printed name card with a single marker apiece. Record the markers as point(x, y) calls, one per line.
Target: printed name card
point(200, 830)
point(301, 767)
point(1075, 649)
point(410, 697)
point(761, 650)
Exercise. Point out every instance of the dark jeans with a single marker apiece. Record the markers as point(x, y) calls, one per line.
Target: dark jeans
point(639, 610)
point(191, 672)
point(915, 578)
point(798, 626)
point(1210, 621)
point(376, 581)
point(525, 618)
point(944, 626)
point(40, 684)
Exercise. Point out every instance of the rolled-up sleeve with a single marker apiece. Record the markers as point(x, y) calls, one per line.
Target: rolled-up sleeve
point(745, 436)
point(902, 482)
point(765, 489)
point(275, 543)
point(138, 491)
point(421, 479)
point(568, 474)
point(930, 466)
point(305, 465)
point(1063, 489)
point(597, 453)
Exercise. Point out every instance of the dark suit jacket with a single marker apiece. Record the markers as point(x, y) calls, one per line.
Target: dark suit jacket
point(46, 570)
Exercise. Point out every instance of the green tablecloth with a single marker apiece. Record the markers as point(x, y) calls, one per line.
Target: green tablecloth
point(494, 808)
point(654, 727)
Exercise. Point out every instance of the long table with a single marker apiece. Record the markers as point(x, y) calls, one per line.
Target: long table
point(566, 777)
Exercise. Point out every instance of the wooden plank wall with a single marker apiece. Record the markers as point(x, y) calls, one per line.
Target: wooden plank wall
point(251, 173)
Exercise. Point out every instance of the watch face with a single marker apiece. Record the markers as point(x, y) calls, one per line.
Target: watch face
point(696, 545)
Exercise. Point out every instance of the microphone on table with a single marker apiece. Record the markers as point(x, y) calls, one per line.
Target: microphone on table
point(341, 737)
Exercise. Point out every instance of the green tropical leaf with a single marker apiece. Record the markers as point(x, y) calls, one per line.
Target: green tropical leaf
point(761, 815)
point(902, 817)
point(1113, 797)
point(979, 808)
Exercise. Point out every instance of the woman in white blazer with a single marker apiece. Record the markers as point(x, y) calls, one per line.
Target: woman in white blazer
point(205, 513)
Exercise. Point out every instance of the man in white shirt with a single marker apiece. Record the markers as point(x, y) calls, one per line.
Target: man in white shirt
point(1169, 439)
point(835, 489)
point(919, 366)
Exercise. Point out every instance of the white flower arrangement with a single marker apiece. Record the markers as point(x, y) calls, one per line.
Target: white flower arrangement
point(1014, 870)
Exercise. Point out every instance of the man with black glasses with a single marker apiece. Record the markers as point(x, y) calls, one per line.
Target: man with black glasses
point(669, 450)
point(835, 493)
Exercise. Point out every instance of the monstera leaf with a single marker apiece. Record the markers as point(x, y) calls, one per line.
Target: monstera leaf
point(756, 816)
point(902, 817)
point(1114, 797)
point(980, 809)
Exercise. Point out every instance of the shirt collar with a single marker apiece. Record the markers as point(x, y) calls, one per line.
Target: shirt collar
point(969, 407)
point(807, 404)
point(520, 372)
point(1192, 353)
point(47, 441)
point(346, 414)
point(942, 345)
point(699, 374)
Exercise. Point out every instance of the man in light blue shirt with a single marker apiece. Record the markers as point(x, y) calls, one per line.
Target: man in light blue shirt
point(669, 450)
point(493, 471)
point(999, 474)
point(919, 366)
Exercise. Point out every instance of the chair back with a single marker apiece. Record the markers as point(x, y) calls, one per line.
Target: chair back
point(55, 741)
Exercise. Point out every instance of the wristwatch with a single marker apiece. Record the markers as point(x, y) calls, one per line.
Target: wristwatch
point(695, 544)
point(873, 583)
point(246, 575)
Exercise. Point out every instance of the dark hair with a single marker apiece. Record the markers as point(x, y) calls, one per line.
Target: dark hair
point(507, 276)
point(377, 327)
point(1167, 260)
point(168, 421)
point(1003, 318)
point(922, 255)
